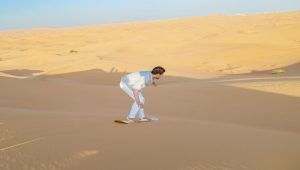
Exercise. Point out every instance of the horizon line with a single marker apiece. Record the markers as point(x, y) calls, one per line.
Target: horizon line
point(146, 21)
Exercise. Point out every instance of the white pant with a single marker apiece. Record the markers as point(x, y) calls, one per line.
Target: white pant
point(135, 108)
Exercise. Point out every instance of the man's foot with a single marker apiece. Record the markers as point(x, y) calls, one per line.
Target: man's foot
point(137, 120)
point(145, 119)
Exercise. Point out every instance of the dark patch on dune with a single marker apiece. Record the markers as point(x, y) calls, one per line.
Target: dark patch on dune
point(22, 72)
point(101, 77)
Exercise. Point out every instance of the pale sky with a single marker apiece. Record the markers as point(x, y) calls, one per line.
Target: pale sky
point(25, 14)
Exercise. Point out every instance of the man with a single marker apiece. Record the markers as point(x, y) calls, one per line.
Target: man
point(132, 85)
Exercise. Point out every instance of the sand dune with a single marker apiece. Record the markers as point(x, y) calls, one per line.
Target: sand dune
point(282, 87)
point(59, 95)
point(190, 47)
point(66, 122)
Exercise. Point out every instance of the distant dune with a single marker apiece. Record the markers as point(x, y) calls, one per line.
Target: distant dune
point(192, 47)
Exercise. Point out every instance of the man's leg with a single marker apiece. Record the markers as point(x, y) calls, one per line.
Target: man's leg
point(141, 110)
point(135, 108)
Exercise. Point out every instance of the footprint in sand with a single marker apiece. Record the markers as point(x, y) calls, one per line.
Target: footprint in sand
point(9, 161)
point(70, 160)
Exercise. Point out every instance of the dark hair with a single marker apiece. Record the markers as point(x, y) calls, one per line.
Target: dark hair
point(158, 70)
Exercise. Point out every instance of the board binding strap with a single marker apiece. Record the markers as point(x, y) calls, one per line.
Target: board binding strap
point(128, 121)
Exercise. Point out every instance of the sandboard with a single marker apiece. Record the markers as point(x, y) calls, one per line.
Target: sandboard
point(131, 121)
point(124, 121)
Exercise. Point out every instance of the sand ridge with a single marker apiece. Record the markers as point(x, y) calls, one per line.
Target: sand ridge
point(197, 46)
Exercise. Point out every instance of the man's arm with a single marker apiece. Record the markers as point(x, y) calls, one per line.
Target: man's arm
point(137, 99)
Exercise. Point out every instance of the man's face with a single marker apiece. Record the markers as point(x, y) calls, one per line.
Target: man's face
point(157, 76)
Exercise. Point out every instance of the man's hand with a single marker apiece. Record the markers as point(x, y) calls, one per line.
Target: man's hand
point(137, 99)
point(140, 104)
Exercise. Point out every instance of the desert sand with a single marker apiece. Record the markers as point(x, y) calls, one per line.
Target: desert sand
point(291, 88)
point(219, 106)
